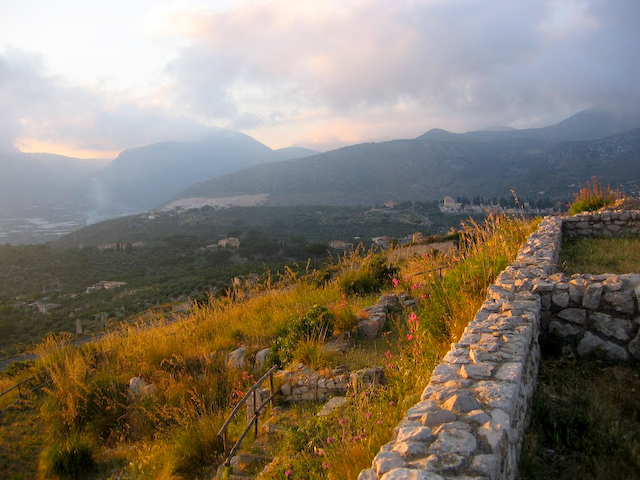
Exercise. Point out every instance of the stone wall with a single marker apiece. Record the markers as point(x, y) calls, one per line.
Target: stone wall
point(593, 315)
point(473, 413)
point(304, 384)
point(602, 224)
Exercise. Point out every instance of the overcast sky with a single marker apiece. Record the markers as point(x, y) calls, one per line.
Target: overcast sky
point(90, 78)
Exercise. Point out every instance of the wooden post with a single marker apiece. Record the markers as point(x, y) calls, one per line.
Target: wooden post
point(271, 390)
point(255, 412)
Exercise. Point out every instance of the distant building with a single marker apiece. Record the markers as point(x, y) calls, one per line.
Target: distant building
point(44, 307)
point(382, 241)
point(338, 244)
point(449, 205)
point(230, 242)
point(105, 285)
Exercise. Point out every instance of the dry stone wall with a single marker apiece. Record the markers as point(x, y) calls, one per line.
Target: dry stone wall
point(473, 413)
point(603, 224)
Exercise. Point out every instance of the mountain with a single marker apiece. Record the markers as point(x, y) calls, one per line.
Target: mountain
point(290, 153)
point(439, 163)
point(143, 178)
point(33, 182)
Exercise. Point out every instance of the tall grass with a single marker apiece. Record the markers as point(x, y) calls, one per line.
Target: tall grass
point(167, 432)
point(340, 446)
point(592, 197)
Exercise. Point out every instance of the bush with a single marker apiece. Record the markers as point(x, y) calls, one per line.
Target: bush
point(592, 197)
point(106, 405)
point(70, 458)
point(372, 276)
point(194, 446)
point(315, 325)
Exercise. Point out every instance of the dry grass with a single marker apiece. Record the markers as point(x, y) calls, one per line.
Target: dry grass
point(600, 255)
point(167, 433)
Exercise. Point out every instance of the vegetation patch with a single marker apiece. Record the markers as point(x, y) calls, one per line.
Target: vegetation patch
point(592, 196)
point(186, 388)
point(600, 255)
point(585, 422)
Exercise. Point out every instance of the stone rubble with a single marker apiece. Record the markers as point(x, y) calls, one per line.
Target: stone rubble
point(473, 413)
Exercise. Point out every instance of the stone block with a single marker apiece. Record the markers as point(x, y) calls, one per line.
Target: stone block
point(439, 462)
point(560, 297)
point(438, 417)
point(617, 328)
point(574, 315)
point(462, 403)
point(453, 439)
point(564, 330)
point(634, 347)
point(593, 345)
point(410, 474)
point(592, 296)
point(410, 449)
point(386, 461)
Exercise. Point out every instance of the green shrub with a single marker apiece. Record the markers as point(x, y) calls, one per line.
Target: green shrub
point(106, 405)
point(592, 197)
point(312, 353)
point(316, 324)
point(68, 458)
point(194, 447)
point(373, 275)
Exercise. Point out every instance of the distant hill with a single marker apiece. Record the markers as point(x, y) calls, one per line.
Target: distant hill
point(439, 163)
point(35, 182)
point(142, 178)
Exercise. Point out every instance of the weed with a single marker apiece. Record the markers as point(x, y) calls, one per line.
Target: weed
point(592, 197)
point(69, 458)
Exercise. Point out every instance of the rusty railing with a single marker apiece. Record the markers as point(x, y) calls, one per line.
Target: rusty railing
point(256, 413)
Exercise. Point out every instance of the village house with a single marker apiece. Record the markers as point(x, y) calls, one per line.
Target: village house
point(382, 241)
point(230, 242)
point(44, 307)
point(105, 285)
point(339, 245)
point(449, 205)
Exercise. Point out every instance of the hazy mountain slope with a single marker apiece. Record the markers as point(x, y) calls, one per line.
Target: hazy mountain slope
point(144, 177)
point(614, 160)
point(438, 163)
point(290, 153)
point(37, 181)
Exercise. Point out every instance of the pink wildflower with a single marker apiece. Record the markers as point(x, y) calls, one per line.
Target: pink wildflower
point(395, 282)
point(342, 421)
point(326, 465)
point(409, 336)
point(367, 415)
point(287, 473)
point(392, 403)
point(330, 439)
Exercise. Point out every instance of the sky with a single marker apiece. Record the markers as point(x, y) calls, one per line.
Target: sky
point(90, 78)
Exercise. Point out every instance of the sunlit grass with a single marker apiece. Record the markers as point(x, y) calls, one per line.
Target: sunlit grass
point(167, 432)
point(600, 255)
point(584, 422)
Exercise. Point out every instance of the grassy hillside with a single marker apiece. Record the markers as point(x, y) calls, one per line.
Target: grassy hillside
point(94, 426)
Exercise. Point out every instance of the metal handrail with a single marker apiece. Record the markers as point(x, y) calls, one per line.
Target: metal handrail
point(20, 393)
point(256, 413)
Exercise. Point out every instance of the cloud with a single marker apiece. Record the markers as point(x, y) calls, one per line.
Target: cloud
point(38, 110)
point(497, 59)
point(330, 72)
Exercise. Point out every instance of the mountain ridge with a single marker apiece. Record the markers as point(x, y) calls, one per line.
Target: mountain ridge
point(432, 165)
